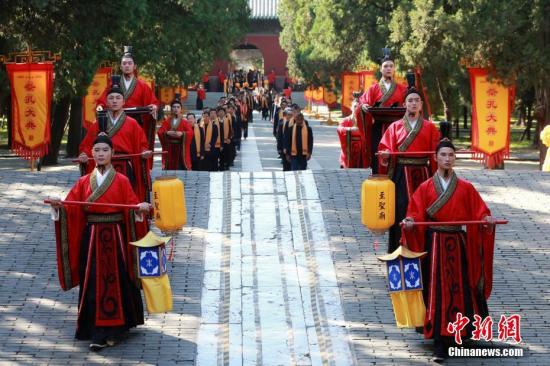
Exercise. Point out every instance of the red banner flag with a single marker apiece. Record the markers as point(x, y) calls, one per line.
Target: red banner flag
point(31, 96)
point(350, 82)
point(491, 107)
point(100, 81)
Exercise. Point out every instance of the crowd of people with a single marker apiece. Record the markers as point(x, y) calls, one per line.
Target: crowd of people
point(116, 161)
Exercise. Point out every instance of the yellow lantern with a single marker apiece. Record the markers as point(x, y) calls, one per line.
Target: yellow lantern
point(378, 203)
point(169, 203)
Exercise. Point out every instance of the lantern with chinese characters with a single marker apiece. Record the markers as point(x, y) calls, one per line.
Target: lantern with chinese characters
point(150, 254)
point(405, 286)
point(378, 203)
point(169, 204)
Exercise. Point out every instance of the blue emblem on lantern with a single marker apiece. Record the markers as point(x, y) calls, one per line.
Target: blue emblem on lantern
point(149, 262)
point(411, 274)
point(395, 281)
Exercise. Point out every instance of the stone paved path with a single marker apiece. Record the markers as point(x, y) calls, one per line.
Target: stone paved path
point(271, 268)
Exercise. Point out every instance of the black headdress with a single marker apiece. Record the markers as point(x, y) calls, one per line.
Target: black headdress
point(103, 138)
point(127, 52)
point(115, 85)
point(445, 142)
point(386, 55)
point(177, 100)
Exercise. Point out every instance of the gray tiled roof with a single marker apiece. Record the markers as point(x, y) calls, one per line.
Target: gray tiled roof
point(263, 9)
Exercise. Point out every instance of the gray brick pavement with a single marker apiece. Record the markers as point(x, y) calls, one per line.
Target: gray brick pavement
point(38, 319)
point(520, 275)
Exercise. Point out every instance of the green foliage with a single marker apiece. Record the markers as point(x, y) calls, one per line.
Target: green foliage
point(326, 37)
point(323, 38)
point(174, 41)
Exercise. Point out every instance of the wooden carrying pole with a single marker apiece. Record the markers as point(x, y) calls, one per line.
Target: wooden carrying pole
point(453, 223)
point(82, 203)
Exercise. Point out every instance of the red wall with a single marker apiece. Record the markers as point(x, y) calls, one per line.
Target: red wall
point(274, 56)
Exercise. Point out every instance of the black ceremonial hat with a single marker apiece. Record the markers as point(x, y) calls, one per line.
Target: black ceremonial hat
point(102, 137)
point(115, 85)
point(386, 55)
point(445, 142)
point(413, 90)
point(127, 52)
point(177, 99)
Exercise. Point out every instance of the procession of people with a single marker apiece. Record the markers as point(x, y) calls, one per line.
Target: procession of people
point(116, 160)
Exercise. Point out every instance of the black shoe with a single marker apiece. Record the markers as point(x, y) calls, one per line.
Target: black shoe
point(96, 347)
point(440, 352)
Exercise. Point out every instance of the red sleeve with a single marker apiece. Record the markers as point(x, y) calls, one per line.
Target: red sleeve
point(480, 244)
point(162, 132)
point(140, 138)
point(434, 142)
point(148, 95)
point(68, 234)
point(414, 239)
point(387, 143)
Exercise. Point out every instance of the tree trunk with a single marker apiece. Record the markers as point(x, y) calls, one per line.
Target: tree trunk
point(75, 127)
point(59, 121)
point(444, 95)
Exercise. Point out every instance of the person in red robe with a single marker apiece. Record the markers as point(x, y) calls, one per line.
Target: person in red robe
point(385, 93)
point(137, 93)
point(271, 77)
point(353, 154)
point(457, 271)
point(221, 78)
point(128, 138)
point(201, 96)
point(175, 135)
point(93, 250)
point(412, 133)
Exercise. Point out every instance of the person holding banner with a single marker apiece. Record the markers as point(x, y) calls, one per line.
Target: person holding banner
point(398, 160)
point(136, 93)
point(128, 139)
point(457, 271)
point(385, 93)
point(93, 250)
point(175, 137)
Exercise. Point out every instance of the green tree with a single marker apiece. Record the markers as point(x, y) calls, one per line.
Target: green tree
point(430, 34)
point(513, 38)
point(323, 38)
point(175, 41)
